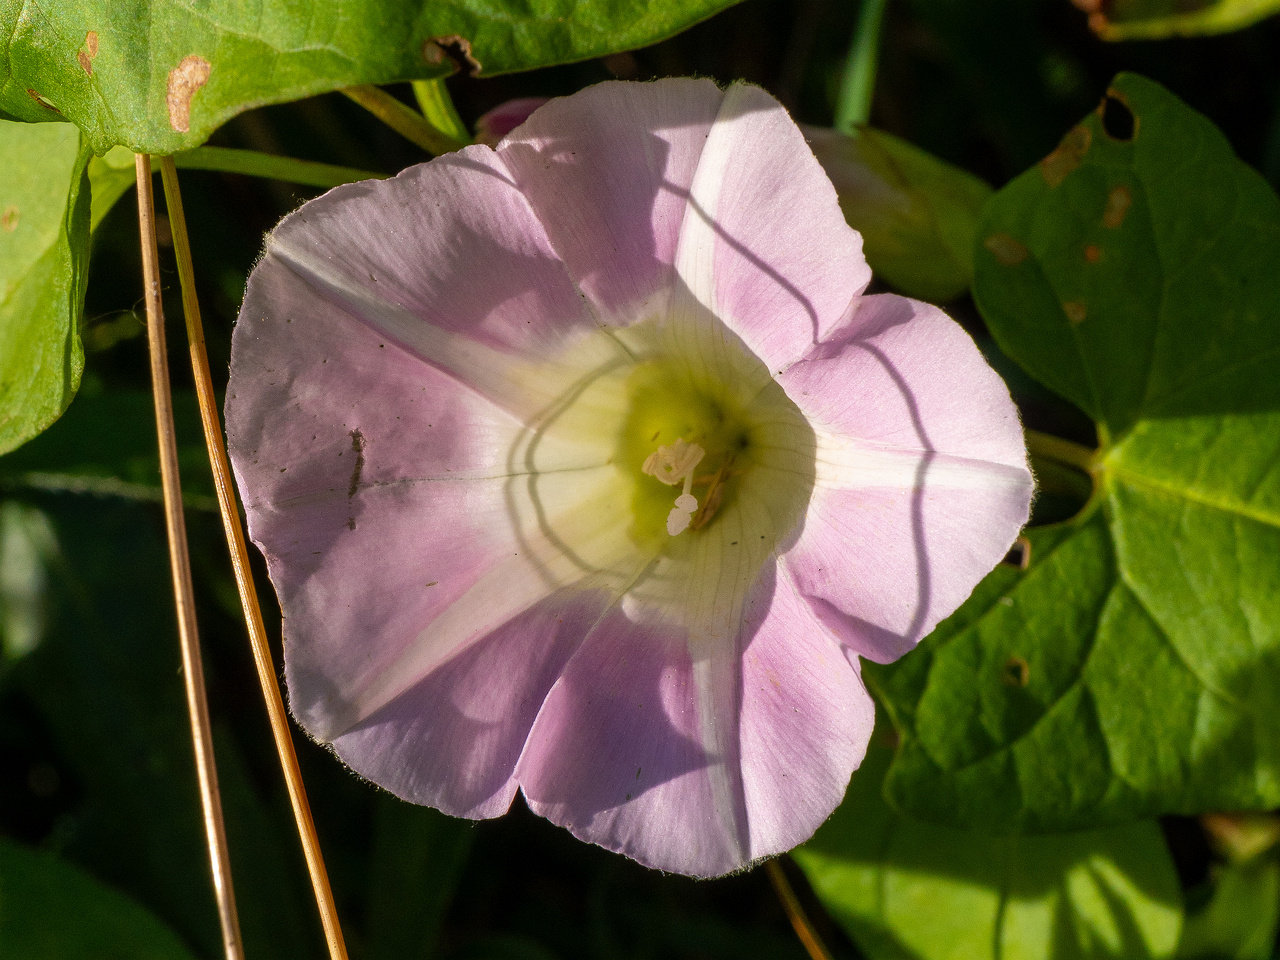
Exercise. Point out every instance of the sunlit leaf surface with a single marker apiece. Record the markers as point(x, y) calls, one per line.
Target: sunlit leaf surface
point(44, 252)
point(160, 75)
point(907, 890)
point(1134, 668)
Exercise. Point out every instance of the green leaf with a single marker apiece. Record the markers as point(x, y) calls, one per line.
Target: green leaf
point(417, 860)
point(50, 910)
point(44, 253)
point(1240, 919)
point(110, 176)
point(1134, 668)
point(907, 890)
point(158, 77)
point(918, 215)
point(106, 684)
point(1157, 19)
point(105, 445)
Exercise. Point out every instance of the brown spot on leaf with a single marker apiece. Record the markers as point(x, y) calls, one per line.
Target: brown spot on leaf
point(1016, 672)
point(1007, 250)
point(1119, 200)
point(1067, 157)
point(9, 220)
point(1092, 253)
point(38, 98)
point(86, 53)
point(453, 47)
point(1075, 311)
point(184, 80)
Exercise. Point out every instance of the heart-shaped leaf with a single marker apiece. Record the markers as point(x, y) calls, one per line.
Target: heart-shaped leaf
point(1134, 668)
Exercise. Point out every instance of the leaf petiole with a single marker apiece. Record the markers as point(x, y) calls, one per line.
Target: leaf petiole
point(857, 84)
point(404, 120)
point(255, 164)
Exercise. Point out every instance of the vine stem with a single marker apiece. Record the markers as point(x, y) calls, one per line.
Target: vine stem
point(254, 164)
point(240, 564)
point(1048, 447)
point(404, 120)
point(795, 912)
point(857, 85)
point(180, 565)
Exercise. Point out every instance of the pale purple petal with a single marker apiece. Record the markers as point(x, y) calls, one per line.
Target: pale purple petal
point(382, 493)
point(341, 442)
point(629, 179)
point(608, 172)
point(764, 245)
point(452, 741)
point(619, 752)
point(700, 765)
point(922, 484)
point(449, 261)
point(805, 722)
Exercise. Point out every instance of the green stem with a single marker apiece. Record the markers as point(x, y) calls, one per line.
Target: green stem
point(857, 85)
point(1047, 447)
point(255, 164)
point(404, 120)
point(437, 106)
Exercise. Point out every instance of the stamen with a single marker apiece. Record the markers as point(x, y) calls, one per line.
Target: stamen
point(671, 464)
point(681, 514)
point(674, 462)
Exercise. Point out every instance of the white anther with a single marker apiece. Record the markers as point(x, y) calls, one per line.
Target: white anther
point(681, 515)
point(674, 462)
point(671, 464)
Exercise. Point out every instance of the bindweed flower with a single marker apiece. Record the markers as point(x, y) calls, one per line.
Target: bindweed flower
point(583, 467)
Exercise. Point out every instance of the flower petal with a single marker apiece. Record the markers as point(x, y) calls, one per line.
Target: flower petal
point(764, 245)
point(342, 443)
point(635, 749)
point(452, 740)
point(608, 171)
point(449, 261)
point(922, 484)
point(805, 722)
point(700, 762)
point(676, 185)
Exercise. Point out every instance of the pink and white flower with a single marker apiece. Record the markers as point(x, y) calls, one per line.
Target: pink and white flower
point(584, 467)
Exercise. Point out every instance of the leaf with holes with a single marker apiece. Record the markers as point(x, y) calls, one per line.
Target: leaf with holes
point(160, 75)
point(1134, 667)
point(907, 890)
point(44, 254)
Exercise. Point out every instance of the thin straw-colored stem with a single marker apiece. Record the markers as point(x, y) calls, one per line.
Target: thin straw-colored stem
point(857, 85)
point(180, 562)
point(244, 577)
point(404, 120)
point(795, 913)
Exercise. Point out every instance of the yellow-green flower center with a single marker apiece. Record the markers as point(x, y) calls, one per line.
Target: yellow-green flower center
point(692, 443)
